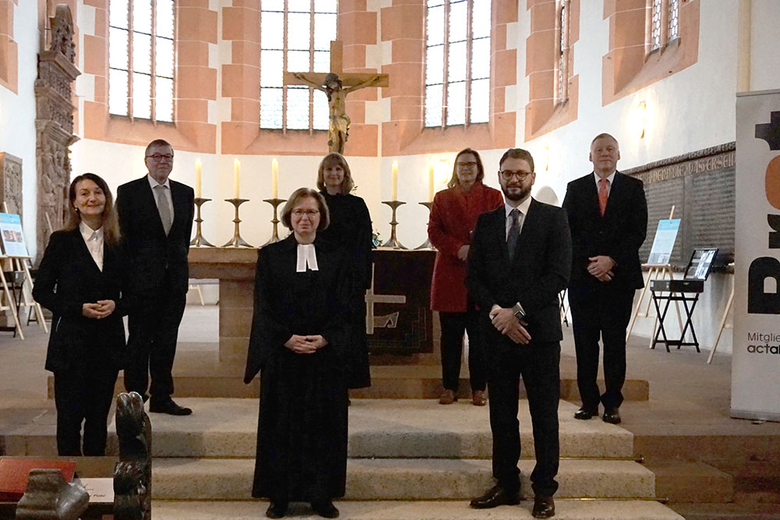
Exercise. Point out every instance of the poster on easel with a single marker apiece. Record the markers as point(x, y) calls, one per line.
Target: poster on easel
point(663, 243)
point(756, 346)
point(11, 235)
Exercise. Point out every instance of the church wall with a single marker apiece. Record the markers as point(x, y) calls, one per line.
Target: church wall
point(17, 109)
point(765, 60)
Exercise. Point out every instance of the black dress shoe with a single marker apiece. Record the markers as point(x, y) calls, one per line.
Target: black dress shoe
point(584, 414)
point(325, 509)
point(276, 510)
point(169, 407)
point(544, 507)
point(611, 415)
point(496, 496)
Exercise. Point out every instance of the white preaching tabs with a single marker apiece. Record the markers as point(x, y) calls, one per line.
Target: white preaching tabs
point(307, 258)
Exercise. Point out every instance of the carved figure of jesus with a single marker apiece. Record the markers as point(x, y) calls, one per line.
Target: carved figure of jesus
point(332, 86)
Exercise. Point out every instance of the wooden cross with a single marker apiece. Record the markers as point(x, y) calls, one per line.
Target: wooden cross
point(337, 84)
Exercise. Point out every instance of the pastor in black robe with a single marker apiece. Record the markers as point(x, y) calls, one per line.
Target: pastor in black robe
point(350, 228)
point(302, 426)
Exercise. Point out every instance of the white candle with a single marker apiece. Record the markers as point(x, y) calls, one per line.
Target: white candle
point(198, 167)
point(236, 177)
point(430, 182)
point(274, 179)
point(395, 181)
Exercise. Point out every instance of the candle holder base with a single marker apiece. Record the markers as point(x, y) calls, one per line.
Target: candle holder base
point(393, 240)
point(237, 241)
point(199, 241)
point(275, 234)
point(427, 244)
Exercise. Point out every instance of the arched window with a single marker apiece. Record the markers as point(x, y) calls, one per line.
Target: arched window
point(655, 26)
point(295, 36)
point(141, 59)
point(674, 19)
point(457, 62)
point(563, 52)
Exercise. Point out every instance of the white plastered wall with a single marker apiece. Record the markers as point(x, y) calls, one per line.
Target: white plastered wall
point(17, 112)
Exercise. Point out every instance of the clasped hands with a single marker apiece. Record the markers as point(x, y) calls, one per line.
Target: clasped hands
point(305, 344)
point(98, 310)
point(601, 268)
point(505, 321)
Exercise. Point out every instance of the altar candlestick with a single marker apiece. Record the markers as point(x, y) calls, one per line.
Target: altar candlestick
point(395, 181)
point(198, 167)
point(236, 177)
point(274, 179)
point(430, 182)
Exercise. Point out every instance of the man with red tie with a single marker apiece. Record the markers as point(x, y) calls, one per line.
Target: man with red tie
point(607, 213)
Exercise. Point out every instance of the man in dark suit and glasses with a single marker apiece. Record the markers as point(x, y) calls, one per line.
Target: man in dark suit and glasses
point(608, 218)
point(520, 260)
point(155, 216)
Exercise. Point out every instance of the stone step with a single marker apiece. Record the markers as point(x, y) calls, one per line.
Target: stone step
point(404, 428)
point(396, 510)
point(403, 479)
point(196, 376)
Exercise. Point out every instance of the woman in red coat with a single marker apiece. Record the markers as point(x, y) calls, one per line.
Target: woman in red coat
point(453, 217)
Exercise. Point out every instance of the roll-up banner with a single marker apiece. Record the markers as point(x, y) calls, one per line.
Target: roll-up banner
point(755, 371)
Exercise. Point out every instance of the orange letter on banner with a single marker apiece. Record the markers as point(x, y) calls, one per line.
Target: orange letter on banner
point(772, 184)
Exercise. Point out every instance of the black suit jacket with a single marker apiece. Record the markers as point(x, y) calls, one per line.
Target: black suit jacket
point(618, 234)
point(67, 278)
point(537, 274)
point(152, 256)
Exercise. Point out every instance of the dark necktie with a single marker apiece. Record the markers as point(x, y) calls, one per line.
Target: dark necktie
point(514, 233)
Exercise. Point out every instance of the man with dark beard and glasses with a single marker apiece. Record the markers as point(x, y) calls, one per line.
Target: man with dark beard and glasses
point(520, 259)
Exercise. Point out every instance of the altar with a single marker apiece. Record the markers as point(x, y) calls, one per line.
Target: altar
point(399, 321)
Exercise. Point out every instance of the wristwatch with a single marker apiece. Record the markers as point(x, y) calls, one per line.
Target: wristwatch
point(518, 311)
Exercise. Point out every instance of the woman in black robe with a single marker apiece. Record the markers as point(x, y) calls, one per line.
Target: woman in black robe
point(350, 228)
point(299, 336)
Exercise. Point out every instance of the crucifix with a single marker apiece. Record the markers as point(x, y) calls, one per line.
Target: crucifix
point(336, 84)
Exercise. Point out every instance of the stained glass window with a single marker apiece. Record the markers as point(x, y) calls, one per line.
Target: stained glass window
point(674, 19)
point(141, 59)
point(457, 62)
point(295, 36)
point(655, 41)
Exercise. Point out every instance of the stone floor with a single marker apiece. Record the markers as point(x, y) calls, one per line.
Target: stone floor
point(686, 417)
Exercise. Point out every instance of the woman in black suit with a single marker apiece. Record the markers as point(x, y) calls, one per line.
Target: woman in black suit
point(80, 281)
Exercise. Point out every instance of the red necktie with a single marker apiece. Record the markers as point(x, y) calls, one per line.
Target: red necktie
point(603, 195)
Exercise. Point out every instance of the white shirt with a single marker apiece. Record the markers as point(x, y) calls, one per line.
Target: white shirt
point(166, 192)
point(94, 240)
point(522, 208)
point(610, 180)
point(307, 258)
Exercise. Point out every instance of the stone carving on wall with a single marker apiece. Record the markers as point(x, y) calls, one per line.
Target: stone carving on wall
point(54, 125)
point(11, 182)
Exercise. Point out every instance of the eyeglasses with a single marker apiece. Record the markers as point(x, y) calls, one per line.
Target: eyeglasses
point(467, 165)
point(508, 174)
point(159, 157)
point(308, 212)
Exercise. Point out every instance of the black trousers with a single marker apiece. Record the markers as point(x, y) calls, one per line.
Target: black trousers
point(600, 312)
point(151, 345)
point(83, 397)
point(453, 325)
point(538, 364)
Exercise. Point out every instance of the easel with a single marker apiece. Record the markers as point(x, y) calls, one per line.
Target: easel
point(655, 272)
point(21, 264)
point(9, 296)
point(726, 311)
